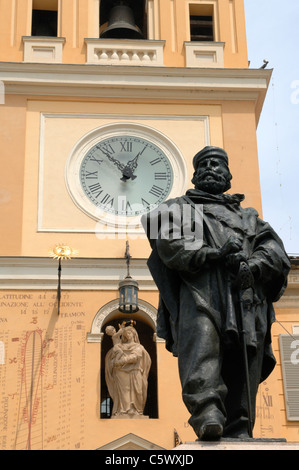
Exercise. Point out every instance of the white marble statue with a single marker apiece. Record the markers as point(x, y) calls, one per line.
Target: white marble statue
point(127, 366)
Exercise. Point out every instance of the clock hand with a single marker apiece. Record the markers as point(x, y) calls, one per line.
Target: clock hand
point(128, 171)
point(133, 163)
point(119, 165)
point(125, 169)
point(127, 174)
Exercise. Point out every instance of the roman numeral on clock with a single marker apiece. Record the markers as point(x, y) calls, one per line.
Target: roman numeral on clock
point(91, 175)
point(156, 191)
point(96, 189)
point(106, 149)
point(145, 203)
point(160, 176)
point(155, 161)
point(93, 159)
point(126, 146)
point(107, 200)
point(124, 205)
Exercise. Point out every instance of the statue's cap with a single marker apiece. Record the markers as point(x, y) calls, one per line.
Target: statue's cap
point(208, 152)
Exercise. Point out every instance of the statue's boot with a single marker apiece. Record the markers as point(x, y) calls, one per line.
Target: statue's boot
point(210, 431)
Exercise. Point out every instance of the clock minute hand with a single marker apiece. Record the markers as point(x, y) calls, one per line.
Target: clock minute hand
point(119, 165)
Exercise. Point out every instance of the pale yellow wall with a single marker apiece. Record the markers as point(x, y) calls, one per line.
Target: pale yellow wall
point(64, 369)
point(231, 125)
point(229, 17)
point(70, 379)
point(270, 413)
point(240, 142)
point(233, 32)
point(287, 317)
point(12, 135)
point(272, 419)
point(79, 20)
point(47, 212)
point(37, 136)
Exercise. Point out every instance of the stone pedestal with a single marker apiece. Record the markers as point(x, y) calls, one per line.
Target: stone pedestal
point(130, 416)
point(239, 444)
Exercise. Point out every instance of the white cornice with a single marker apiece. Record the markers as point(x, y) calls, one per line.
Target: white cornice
point(98, 274)
point(290, 298)
point(77, 273)
point(177, 83)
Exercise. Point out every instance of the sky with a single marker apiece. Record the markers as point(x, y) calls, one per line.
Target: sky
point(273, 34)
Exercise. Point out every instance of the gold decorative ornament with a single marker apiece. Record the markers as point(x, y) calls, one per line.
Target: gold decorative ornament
point(60, 252)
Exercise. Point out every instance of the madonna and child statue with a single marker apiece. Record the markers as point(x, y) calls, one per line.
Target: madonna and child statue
point(127, 366)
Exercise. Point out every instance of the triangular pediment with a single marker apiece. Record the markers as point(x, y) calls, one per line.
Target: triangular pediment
point(130, 442)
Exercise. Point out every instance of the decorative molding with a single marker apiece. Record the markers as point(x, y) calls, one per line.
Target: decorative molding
point(97, 274)
point(130, 442)
point(177, 83)
point(146, 310)
point(290, 298)
point(43, 49)
point(77, 273)
point(204, 54)
point(288, 301)
point(125, 52)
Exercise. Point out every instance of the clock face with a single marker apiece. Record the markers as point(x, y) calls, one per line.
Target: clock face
point(126, 175)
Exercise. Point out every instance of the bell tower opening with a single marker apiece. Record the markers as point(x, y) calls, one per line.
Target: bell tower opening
point(44, 18)
point(201, 22)
point(122, 19)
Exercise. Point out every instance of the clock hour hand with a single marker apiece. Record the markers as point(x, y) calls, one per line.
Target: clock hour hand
point(130, 167)
point(127, 174)
point(128, 171)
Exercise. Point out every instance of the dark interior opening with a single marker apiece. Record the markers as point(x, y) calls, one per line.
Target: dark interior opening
point(44, 23)
point(201, 28)
point(145, 333)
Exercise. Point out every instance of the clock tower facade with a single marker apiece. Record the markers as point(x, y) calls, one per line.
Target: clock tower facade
point(104, 104)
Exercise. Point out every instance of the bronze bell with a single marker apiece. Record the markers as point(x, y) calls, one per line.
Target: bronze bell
point(121, 24)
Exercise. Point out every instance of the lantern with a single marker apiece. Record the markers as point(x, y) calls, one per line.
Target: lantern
point(128, 289)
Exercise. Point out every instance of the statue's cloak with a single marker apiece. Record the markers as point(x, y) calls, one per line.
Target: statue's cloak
point(211, 284)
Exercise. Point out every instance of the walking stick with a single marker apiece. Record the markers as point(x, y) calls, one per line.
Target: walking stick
point(245, 281)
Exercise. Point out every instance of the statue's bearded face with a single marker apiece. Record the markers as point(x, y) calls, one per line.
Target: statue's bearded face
point(212, 176)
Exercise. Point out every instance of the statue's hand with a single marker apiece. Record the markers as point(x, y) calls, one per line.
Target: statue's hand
point(120, 362)
point(232, 245)
point(233, 261)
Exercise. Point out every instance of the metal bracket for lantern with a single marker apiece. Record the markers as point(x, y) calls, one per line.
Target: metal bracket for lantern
point(128, 289)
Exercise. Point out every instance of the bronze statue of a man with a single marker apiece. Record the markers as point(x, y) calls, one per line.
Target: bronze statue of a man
point(217, 282)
